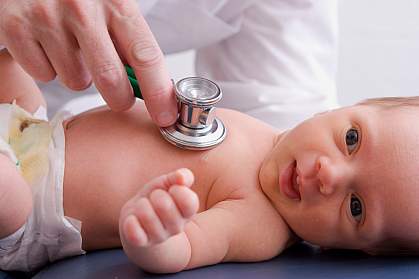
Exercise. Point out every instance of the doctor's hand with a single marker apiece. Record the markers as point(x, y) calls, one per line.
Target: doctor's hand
point(81, 41)
point(160, 210)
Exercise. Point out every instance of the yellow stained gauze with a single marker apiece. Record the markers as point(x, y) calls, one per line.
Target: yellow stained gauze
point(29, 138)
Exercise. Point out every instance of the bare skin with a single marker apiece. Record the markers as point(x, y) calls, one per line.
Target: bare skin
point(101, 143)
point(117, 163)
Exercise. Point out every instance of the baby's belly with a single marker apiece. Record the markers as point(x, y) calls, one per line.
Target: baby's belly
point(109, 157)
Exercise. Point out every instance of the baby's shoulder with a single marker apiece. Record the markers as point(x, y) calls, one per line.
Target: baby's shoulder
point(247, 137)
point(247, 144)
point(238, 159)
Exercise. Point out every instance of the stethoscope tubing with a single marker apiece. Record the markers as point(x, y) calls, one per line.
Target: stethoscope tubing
point(133, 81)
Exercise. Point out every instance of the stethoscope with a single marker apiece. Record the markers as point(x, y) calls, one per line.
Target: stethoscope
point(197, 127)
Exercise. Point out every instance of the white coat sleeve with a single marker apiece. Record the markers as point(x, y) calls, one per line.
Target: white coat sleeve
point(180, 25)
point(280, 65)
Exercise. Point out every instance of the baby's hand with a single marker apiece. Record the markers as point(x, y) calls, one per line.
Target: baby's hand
point(160, 210)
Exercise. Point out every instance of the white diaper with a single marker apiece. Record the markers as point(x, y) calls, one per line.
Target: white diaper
point(47, 235)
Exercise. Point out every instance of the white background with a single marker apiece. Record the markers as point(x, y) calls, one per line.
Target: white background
point(379, 50)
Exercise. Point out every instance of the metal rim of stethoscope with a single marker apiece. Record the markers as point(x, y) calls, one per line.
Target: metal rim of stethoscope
point(196, 93)
point(187, 88)
point(176, 135)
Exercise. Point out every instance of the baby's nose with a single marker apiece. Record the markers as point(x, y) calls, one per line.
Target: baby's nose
point(330, 174)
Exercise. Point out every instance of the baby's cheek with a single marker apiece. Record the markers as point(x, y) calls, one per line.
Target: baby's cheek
point(314, 229)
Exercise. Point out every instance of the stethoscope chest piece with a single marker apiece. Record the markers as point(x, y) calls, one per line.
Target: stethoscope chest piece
point(197, 127)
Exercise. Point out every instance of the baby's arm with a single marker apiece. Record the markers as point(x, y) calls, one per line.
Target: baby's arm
point(16, 84)
point(151, 224)
point(232, 230)
point(15, 198)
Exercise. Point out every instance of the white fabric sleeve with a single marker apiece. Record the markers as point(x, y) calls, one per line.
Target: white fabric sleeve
point(180, 25)
point(274, 59)
point(280, 66)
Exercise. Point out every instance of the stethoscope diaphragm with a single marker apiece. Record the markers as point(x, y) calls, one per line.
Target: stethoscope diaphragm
point(197, 127)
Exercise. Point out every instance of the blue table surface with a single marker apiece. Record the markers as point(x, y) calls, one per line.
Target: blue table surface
point(300, 261)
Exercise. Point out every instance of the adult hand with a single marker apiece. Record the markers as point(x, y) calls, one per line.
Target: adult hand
point(84, 40)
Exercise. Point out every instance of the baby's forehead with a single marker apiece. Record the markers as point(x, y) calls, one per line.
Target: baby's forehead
point(390, 165)
point(407, 114)
point(402, 222)
point(393, 186)
point(391, 206)
point(348, 111)
point(400, 126)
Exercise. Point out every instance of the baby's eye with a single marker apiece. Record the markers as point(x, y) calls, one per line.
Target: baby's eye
point(356, 208)
point(351, 140)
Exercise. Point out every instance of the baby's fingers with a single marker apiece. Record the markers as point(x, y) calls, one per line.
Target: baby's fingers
point(148, 220)
point(179, 177)
point(133, 232)
point(167, 211)
point(186, 200)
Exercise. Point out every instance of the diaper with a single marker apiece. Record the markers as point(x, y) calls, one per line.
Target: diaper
point(37, 148)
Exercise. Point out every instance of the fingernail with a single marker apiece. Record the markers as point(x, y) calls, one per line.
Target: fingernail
point(185, 171)
point(165, 118)
point(187, 175)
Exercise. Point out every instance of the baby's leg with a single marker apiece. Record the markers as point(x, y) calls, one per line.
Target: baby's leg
point(15, 198)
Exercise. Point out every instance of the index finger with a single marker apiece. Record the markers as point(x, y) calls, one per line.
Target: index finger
point(139, 47)
point(90, 29)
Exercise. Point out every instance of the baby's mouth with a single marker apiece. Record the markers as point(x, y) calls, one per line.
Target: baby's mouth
point(289, 182)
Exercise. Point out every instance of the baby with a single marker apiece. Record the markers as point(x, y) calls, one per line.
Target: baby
point(343, 179)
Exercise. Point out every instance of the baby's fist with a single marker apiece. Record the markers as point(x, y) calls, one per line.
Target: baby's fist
point(160, 210)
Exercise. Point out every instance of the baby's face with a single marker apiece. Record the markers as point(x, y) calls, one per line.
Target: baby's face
point(348, 178)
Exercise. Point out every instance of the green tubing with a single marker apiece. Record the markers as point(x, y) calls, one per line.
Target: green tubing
point(133, 80)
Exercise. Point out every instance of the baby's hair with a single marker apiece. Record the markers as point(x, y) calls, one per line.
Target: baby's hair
point(392, 102)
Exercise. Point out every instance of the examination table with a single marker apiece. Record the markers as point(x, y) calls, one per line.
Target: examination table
point(300, 261)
